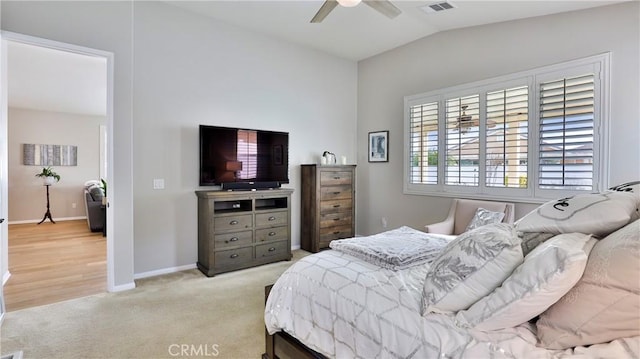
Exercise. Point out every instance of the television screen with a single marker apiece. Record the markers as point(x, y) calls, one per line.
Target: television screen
point(230, 155)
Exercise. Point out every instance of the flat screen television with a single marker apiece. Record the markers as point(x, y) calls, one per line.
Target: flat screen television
point(239, 158)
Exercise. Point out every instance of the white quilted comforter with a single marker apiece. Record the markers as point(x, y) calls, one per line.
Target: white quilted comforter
point(344, 307)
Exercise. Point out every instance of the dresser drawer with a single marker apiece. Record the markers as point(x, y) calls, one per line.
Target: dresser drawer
point(277, 218)
point(236, 222)
point(336, 205)
point(232, 239)
point(272, 234)
point(337, 219)
point(338, 232)
point(335, 192)
point(336, 178)
point(233, 257)
point(271, 250)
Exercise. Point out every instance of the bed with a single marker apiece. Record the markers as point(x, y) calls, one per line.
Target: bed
point(392, 300)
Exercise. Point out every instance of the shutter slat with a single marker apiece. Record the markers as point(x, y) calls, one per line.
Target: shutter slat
point(566, 133)
point(507, 113)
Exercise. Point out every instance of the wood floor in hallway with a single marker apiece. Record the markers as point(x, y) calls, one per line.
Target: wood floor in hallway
point(54, 262)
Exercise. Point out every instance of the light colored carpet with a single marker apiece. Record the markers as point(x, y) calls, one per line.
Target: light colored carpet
point(177, 315)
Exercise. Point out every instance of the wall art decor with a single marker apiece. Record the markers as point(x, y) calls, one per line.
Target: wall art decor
point(379, 146)
point(49, 155)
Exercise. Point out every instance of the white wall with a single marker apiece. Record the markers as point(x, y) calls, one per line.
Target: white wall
point(471, 54)
point(191, 70)
point(175, 70)
point(105, 26)
point(27, 196)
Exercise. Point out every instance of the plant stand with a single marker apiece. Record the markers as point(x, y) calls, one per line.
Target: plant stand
point(48, 213)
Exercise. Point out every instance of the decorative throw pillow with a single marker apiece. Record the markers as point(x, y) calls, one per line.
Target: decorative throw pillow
point(96, 192)
point(470, 267)
point(630, 187)
point(484, 217)
point(530, 240)
point(594, 213)
point(546, 274)
point(605, 304)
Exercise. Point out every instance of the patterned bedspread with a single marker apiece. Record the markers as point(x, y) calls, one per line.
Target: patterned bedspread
point(344, 307)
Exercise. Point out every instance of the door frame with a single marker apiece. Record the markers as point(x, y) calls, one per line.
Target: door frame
point(56, 45)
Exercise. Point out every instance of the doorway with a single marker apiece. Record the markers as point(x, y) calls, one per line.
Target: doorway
point(68, 209)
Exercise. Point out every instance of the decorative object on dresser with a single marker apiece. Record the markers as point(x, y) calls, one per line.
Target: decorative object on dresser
point(243, 229)
point(328, 205)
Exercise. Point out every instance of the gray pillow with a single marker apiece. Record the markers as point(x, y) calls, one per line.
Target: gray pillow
point(96, 193)
point(484, 217)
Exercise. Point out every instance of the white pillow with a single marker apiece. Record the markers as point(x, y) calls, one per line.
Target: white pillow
point(484, 217)
point(630, 187)
point(546, 274)
point(470, 267)
point(594, 213)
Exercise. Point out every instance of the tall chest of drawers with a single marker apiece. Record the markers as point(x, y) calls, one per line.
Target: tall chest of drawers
point(243, 229)
point(328, 205)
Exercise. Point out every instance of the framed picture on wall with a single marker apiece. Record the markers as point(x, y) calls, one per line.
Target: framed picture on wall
point(379, 146)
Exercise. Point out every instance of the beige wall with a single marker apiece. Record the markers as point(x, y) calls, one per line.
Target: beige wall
point(461, 56)
point(27, 196)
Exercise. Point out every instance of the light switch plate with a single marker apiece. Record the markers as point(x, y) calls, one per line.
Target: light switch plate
point(158, 183)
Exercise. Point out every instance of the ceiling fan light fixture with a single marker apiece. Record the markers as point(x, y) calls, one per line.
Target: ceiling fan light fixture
point(349, 3)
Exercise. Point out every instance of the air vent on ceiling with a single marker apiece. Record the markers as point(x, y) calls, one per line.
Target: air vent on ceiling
point(437, 7)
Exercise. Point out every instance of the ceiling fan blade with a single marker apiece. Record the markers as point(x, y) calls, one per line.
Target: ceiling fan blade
point(325, 9)
point(385, 7)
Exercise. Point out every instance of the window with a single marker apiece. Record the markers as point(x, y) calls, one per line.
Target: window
point(566, 133)
point(507, 138)
point(462, 141)
point(531, 136)
point(424, 143)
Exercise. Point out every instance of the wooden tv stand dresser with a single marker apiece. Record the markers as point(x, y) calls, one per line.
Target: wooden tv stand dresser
point(242, 229)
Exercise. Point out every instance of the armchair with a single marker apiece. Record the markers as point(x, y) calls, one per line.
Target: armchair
point(462, 212)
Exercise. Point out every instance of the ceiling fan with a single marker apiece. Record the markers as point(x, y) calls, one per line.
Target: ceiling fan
point(385, 7)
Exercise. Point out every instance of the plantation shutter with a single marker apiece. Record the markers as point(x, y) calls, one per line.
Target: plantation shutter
point(567, 133)
point(507, 136)
point(462, 141)
point(423, 135)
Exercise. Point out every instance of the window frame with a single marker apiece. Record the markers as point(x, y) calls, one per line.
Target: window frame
point(599, 65)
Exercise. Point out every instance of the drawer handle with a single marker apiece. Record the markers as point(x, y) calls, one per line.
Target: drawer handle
point(272, 218)
point(336, 206)
point(233, 223)
point(336, 178)
point(336, 232)
point(232, 239)
point(336, 193)
point(336, 219)
point(272, 249)
point(235, 255)
point(271, 234)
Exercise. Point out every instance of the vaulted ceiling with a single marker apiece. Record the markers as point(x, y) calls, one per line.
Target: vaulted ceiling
point(53, 80)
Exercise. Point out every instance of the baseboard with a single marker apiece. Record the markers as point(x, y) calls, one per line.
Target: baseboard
point(154, 273)
point(55, 219)
point(293, 248)
point(16, 355)
point(123, 287)
point(5, 277)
